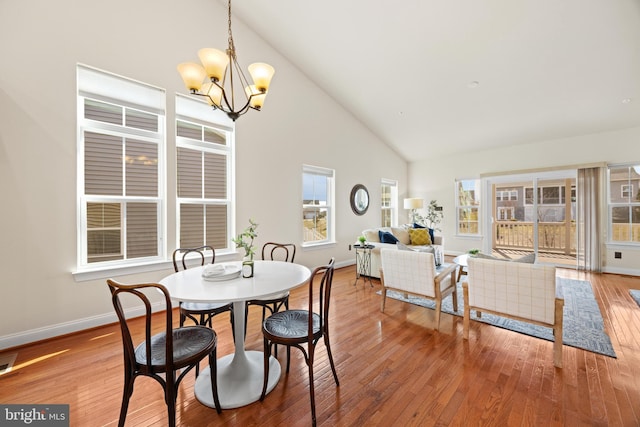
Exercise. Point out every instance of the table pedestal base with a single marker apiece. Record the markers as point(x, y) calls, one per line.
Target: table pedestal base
point(240, 379)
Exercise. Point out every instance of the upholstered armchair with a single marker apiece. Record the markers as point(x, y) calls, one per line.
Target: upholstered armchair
point(521, 291)
point(415, 273)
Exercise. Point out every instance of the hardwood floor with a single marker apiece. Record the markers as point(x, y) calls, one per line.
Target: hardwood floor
point(394, 369)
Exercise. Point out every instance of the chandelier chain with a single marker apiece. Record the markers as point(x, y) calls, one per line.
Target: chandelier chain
point(232, 48)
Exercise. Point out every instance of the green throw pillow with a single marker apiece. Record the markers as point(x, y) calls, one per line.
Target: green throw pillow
point(419, 236)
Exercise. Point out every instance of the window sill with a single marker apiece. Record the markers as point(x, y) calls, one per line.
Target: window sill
point(469, 236)
point(314, 246)
point(123, 270)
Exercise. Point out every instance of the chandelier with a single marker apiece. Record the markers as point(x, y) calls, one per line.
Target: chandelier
point(219, 76)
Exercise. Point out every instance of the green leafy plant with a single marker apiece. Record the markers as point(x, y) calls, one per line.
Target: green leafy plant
point(245, 239)
point(474, 251)
point(433, 217)
point(362, 239)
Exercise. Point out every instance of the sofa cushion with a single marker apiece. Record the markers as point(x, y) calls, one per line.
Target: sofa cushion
point(419, 236)
point(401, 234)
point(386, 237)
point(371, 235)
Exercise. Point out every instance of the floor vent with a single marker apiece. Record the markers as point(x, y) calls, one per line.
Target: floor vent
point(6, 362)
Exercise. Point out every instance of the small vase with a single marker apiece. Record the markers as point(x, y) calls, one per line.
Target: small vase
point(247, 268)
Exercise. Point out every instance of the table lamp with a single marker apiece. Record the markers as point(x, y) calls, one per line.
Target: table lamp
point(413, 204)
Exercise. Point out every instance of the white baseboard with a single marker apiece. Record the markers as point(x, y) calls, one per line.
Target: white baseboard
point(39, 334)
point(344, 263)
point(624, 271)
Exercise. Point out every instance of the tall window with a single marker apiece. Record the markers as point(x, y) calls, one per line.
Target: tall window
point(120, 180)
point(389, 202)
point(317, 205)
point(624, 204)
point(204, 170)
point(468, 206)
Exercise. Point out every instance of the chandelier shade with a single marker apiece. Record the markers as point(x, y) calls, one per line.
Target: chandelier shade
point(221, 81)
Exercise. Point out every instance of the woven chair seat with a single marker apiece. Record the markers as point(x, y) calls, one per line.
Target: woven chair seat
point(187, 341)
point(291, 324)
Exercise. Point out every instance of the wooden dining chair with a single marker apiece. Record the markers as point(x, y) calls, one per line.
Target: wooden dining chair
point(166, 356)
point(297, 328)
point(200, 313)
point(281, 252)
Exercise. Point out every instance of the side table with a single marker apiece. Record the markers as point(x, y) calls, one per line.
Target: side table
point(461, 261)
point(363, 263)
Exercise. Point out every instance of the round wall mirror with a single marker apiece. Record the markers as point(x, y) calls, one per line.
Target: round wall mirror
point(359, 199)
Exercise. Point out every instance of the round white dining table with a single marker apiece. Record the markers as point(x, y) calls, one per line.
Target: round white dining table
point(240, 375)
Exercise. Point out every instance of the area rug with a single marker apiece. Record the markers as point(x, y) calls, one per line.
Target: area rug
point(635, 294)
point(583, 326)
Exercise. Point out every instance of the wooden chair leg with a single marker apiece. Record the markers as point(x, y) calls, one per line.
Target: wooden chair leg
point(438, 312)
point(267, 355)
point(333, 366)
point(312, 389)
point(467, 312)
point(384, 298)
point(557, 332)
point(126, 395)
point(170, 395)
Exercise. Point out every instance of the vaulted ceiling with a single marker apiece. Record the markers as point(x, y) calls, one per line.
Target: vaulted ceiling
point(434, 77)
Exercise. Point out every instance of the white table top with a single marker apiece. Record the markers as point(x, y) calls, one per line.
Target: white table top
point(270, 277)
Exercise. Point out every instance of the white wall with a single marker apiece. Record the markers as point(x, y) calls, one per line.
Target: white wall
point(40, 44)
point(433, 179)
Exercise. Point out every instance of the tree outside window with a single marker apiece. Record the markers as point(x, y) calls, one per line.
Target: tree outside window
point(468, 206)
point(317, 205)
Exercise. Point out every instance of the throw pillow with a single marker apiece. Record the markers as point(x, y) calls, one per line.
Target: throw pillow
point(401, 234)
point(386, 237)
point(371, 235)
point(419, 236)
point(431, 230)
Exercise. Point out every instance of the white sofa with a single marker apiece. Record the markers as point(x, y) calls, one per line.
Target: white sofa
point(400, 233)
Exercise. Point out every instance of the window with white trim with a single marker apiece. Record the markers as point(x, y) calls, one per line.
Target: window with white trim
point(389, 202)
point(506, 195)
point(506, 213)
point(624, 205)
point(317, 205)
point(121, 137)
point(204, 169)
point(468, 207)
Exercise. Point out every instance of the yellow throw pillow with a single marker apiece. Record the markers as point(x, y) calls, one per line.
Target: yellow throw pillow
point(419, 236)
